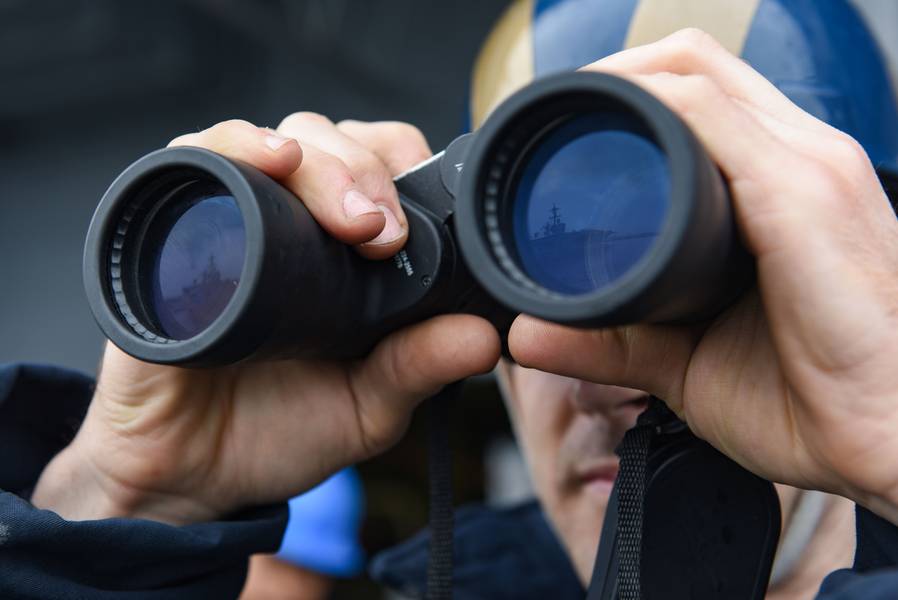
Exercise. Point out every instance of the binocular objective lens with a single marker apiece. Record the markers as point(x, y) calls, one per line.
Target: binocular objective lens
point(196, 252)
point(589, 202)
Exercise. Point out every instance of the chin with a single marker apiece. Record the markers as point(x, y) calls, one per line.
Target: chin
point(578, 522)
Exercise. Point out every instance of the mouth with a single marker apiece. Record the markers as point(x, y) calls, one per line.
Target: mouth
point(598, 477)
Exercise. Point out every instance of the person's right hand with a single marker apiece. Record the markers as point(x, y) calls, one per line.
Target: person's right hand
point(183, 445)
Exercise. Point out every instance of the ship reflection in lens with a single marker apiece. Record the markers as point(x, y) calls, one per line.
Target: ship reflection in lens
point(590, 201)
point(200, 246)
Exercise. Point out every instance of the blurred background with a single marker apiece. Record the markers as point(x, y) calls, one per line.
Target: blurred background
point(88, 86)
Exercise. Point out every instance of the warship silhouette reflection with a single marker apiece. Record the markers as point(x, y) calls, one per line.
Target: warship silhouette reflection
point(584, 260)
point(202, 301)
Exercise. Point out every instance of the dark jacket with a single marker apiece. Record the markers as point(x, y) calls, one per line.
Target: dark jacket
point(44, 556)
point(498, 555)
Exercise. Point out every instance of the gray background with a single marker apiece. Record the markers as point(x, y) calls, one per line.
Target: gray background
point(87, 86)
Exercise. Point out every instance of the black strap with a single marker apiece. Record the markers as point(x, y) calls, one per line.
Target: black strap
point(439, 567)
point(603, 583)
point(633, 452)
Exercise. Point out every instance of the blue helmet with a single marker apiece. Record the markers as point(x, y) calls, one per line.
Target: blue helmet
point(818, 53)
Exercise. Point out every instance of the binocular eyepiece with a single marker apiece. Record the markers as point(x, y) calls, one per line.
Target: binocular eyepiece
point(582, 200)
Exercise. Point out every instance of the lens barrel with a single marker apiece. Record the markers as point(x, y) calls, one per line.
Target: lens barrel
point(653, 237)
point(288, 286)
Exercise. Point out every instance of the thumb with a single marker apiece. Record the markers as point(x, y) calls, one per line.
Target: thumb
point(413, 364)
point(651, 358)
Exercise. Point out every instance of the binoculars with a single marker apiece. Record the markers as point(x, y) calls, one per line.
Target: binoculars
point(582, 200)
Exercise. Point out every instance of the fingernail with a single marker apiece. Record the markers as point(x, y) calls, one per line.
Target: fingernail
point(275, 141)
point(356, 204)
point(392, 229)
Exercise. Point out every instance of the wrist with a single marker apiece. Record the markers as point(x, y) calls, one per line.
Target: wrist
point(69, 487)
point(73, 487)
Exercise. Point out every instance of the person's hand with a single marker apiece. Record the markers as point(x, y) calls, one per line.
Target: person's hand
point(798, 380)
point(180, 445)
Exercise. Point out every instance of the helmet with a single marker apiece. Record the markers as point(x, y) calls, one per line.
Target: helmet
point(819, 54)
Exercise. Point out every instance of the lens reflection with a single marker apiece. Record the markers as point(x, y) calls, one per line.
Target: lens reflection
point(199, 253)
point(590, 202)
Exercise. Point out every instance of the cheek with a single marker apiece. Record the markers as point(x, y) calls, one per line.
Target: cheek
point(542, 414)
point(540, 434)
point(540, 446)
point(577, 521)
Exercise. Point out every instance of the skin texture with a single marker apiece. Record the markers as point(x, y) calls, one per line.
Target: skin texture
point(180, 446)
point(796, 381)
point(568, 429)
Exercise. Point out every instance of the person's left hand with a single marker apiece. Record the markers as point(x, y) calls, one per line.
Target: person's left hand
point(796, 381)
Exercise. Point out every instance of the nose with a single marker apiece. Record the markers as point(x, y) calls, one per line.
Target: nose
point(609, 401)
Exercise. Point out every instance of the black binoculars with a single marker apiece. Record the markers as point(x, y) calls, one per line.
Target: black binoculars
point(582, 200)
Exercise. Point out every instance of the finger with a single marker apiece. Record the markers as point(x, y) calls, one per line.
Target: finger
point(759, 167)
point(273, 154)
point(694, 52)
point(327, 188)
point(399, 145)
point(652, 358)
point(716, 119)
point(369, 174)
point(413, 364)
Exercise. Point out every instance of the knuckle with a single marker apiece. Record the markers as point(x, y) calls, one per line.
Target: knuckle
point(827, 186)
point(405, 132)
point(233, 125)
point(689, 93)
point(700, 88)
point(350, 123)
point(302, 119)
point(368, 169)
point(229, 128)
point(334, 170)
point(186, 139)
point(377, 183)
point(412, 143)
point(693, 42)
point(362, 162)
point(849, 154)
point(374, 178)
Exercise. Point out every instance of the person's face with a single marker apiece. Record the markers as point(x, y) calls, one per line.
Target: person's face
point(568, 430)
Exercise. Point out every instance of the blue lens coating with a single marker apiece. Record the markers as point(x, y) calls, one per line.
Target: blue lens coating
point(196, 268)
point(590, 202)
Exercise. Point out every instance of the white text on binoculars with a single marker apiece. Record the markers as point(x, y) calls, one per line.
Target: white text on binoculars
point(402, 261)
